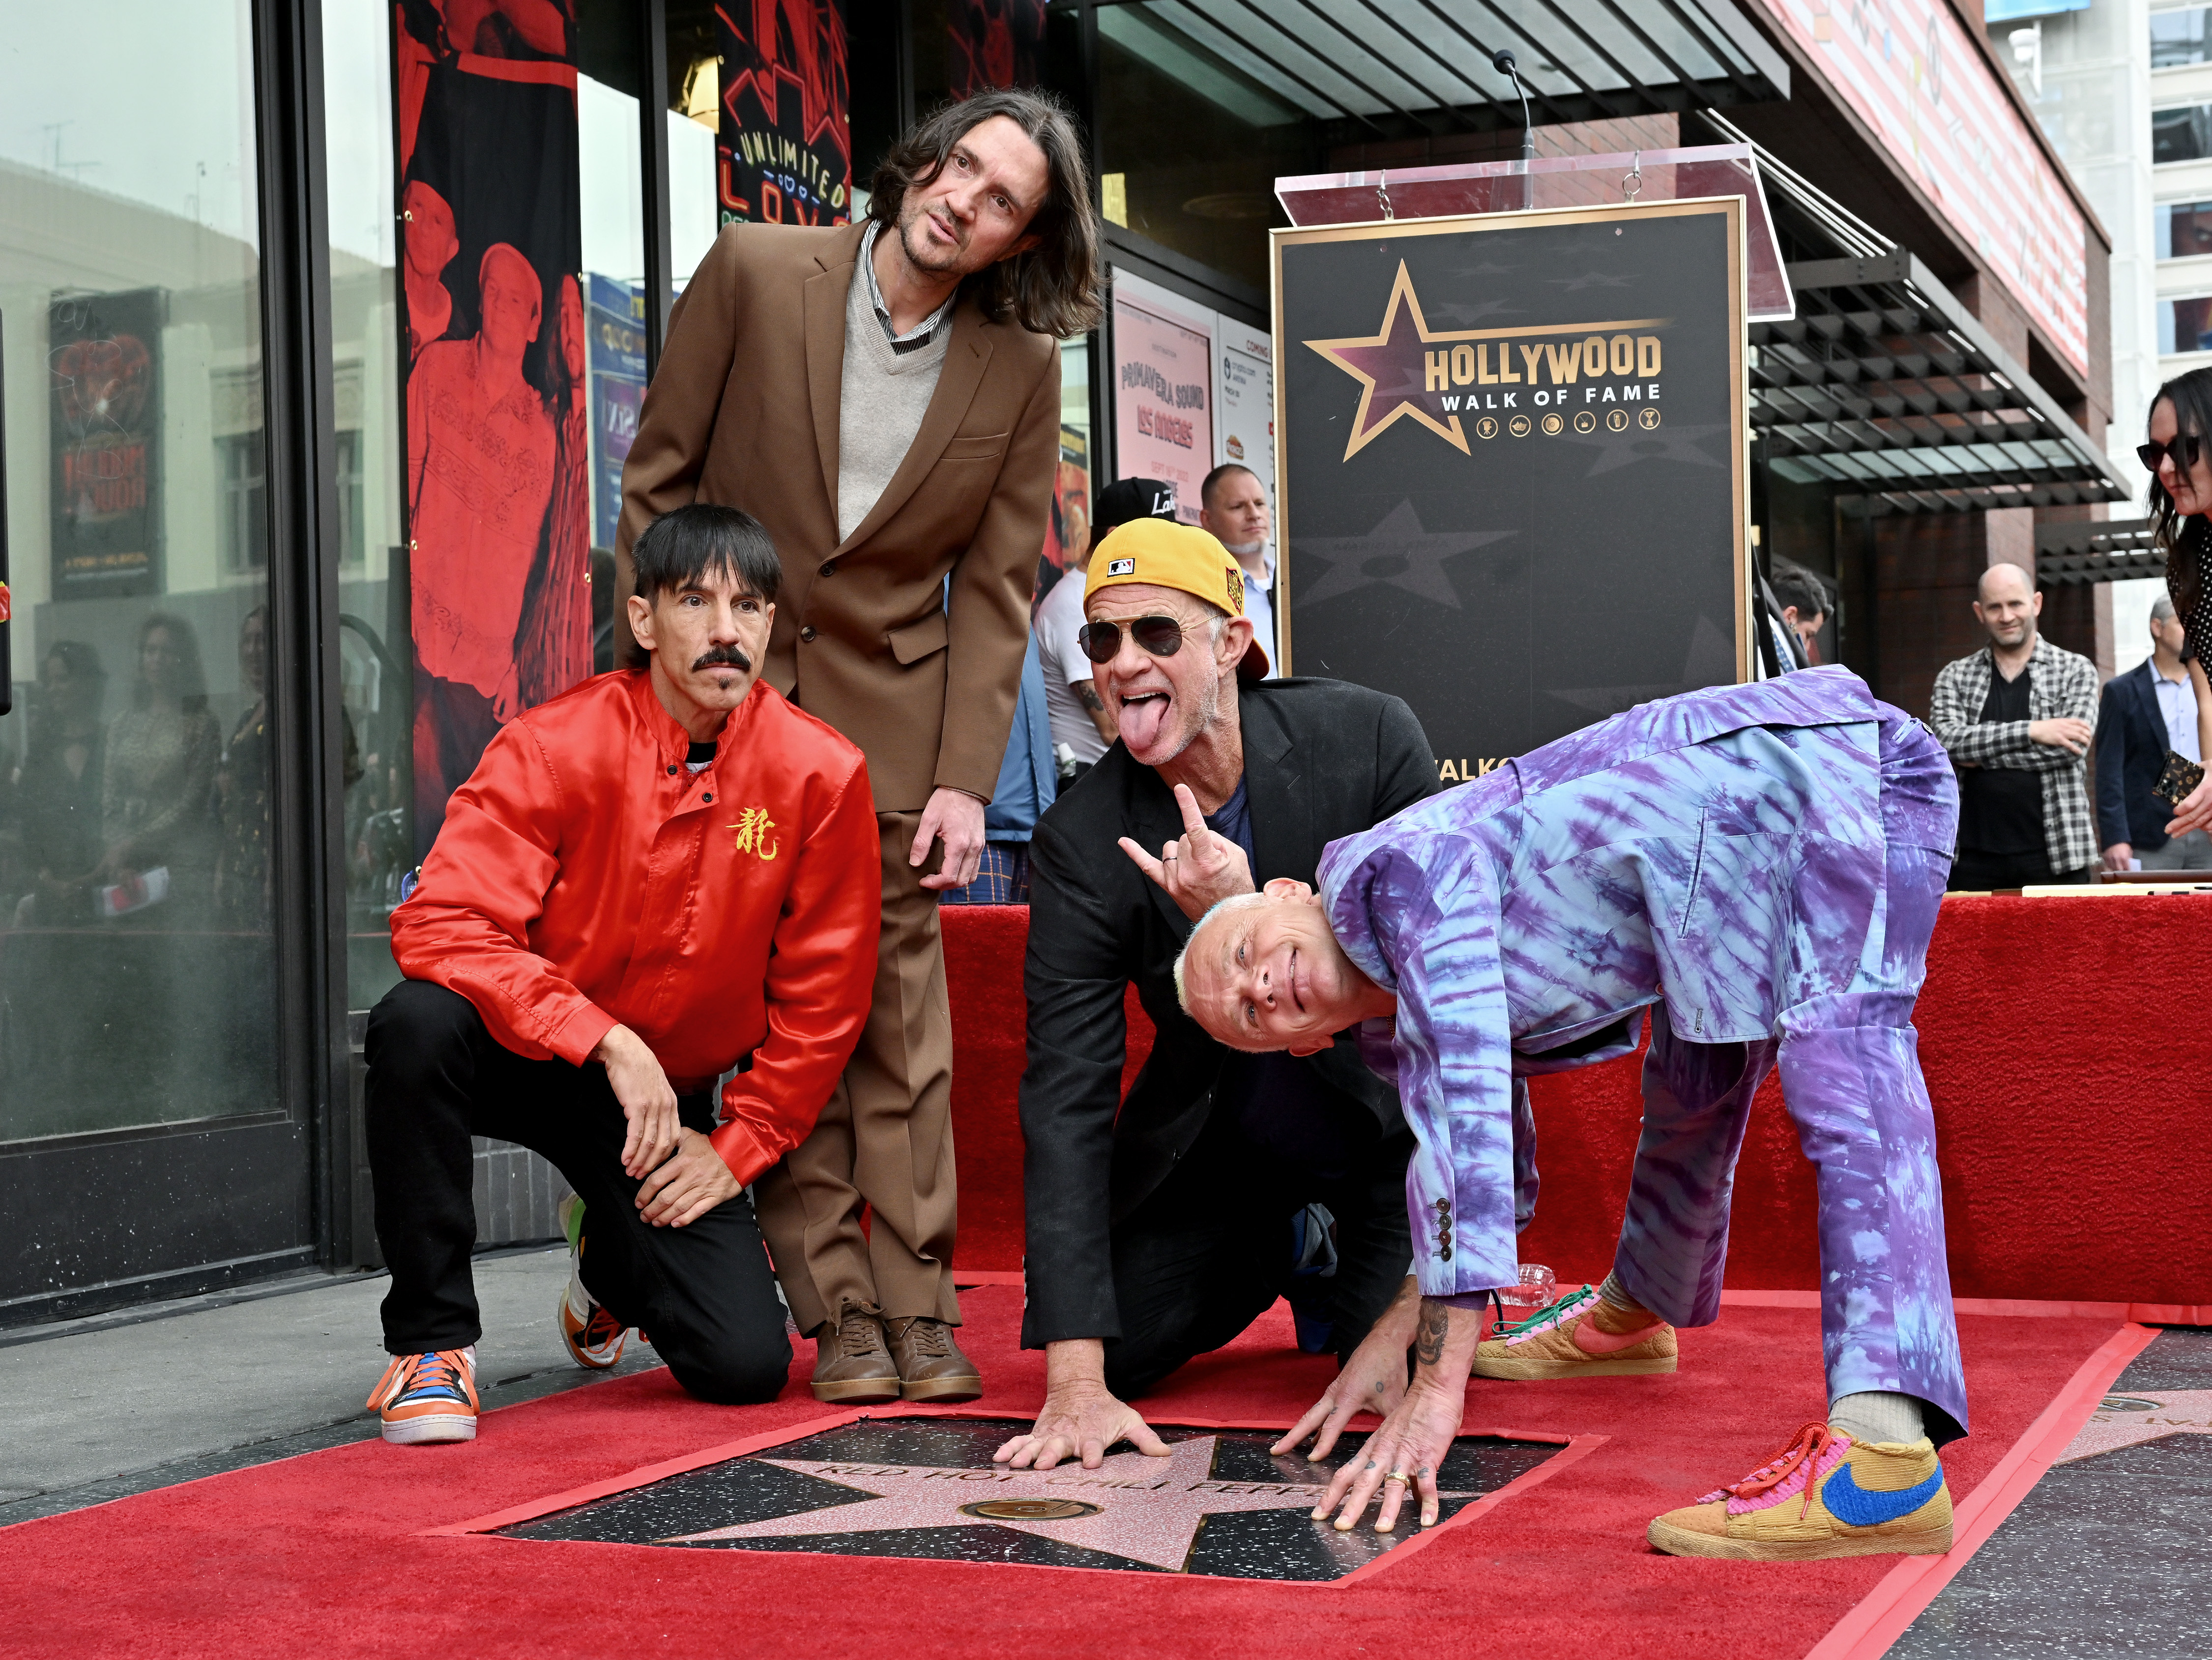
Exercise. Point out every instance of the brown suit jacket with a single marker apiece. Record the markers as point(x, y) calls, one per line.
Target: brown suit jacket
point(744, 411)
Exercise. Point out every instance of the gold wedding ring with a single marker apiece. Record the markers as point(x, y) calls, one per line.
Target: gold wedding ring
point(1399, 1476)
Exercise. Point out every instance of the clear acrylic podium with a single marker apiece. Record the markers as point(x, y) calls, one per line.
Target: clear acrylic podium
point(1558, 181)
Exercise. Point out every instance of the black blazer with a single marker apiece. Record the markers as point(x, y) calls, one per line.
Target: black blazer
point(1322, 760)
point(2131, 751)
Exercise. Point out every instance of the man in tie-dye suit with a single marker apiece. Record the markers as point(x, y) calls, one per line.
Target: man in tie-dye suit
point(1757, 867)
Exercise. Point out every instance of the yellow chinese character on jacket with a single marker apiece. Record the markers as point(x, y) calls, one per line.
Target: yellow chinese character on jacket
point(752, 828)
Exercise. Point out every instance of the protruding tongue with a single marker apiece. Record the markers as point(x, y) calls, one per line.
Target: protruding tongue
point(1141, 721)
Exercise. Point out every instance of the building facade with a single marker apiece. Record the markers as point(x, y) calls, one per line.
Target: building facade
point(222, 299)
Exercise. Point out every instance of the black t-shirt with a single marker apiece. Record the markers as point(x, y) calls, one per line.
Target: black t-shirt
point(2001, 808)
point(1278, 1105)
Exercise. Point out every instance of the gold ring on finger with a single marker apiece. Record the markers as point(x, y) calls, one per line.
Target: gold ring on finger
point(1397, 1475)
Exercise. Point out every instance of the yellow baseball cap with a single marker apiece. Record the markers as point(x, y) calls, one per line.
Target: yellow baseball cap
point(1167, 555)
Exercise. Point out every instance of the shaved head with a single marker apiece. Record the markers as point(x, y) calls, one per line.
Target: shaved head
point(2006, 605)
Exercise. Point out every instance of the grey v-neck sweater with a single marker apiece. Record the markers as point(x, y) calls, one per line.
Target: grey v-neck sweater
point(881, 397)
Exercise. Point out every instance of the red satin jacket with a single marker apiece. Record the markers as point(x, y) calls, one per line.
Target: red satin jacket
point(585, 877)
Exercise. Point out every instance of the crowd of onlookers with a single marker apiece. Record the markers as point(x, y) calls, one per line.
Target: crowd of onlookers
point(152, 810)
point(112, 811)
point(2024, 719)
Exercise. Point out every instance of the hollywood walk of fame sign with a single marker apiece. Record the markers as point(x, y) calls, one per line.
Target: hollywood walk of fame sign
point(925, 1487)
point(1511, 449)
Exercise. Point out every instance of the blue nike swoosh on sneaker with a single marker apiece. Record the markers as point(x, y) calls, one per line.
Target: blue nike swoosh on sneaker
point(1847, 1501)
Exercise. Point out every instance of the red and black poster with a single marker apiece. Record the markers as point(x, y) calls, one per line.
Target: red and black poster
point(995, 43)
point(498, 427)
point(784, 155)
point(103, 358)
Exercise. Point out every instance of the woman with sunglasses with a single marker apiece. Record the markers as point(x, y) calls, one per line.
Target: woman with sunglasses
point(2179, 457)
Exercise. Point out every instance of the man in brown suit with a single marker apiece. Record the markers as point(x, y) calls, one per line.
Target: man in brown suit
point(885, 397)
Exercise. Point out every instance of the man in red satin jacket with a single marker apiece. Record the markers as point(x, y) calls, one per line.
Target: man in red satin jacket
point(660, 876)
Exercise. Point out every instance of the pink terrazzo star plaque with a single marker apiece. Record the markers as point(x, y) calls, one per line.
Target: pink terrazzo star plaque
point(923, 1484)
point(2122, 1420)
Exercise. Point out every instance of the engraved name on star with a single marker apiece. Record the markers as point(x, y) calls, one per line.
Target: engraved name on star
point(1146, 1510)
point(2129, 1416)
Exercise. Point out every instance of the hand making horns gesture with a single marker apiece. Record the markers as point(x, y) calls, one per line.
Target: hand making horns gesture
point(1200, 869)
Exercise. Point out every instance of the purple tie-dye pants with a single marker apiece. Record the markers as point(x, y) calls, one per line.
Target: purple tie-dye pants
point(1851, 1079)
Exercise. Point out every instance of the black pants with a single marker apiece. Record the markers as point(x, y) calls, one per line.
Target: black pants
point(704, 1293)
point(1208, 1251)
point(1980, 872)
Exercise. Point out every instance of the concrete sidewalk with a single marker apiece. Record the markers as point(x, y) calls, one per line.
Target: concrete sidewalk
point(112, 1407)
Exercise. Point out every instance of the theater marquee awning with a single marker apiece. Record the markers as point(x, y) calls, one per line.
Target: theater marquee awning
point(1891, 392)
point(1428, 62)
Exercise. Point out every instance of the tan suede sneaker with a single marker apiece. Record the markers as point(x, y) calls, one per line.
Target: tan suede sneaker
point(851, 1364)
point(1566, 1341)
point(1825, 1495)
point(931, 1367)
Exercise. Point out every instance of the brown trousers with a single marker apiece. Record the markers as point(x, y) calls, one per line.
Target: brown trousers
point(885, 1138)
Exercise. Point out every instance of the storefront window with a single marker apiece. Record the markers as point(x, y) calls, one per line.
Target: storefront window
point(374, 688)
point(1190, 144)
point(136, 958)
point(695, 88)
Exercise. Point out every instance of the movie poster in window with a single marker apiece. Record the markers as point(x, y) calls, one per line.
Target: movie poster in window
point(103, 363)
point(1244, 401)
point(1163, 391)
point(616, 323)
point(497, 488)
point(783, 153)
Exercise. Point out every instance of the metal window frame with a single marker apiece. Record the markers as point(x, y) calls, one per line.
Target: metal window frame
point(307, 762)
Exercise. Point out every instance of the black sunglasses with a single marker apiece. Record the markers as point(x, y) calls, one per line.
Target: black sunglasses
point(2184, 449)
point(1160, 635)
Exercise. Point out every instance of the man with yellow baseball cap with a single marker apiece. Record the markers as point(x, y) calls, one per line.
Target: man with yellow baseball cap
point(1160, 1228)
point(1161, 553)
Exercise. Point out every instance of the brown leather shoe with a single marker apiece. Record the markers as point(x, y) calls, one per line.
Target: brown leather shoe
point(851, 1364)
point(931, 1367)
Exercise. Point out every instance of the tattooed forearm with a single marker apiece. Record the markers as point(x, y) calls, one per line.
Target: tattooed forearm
point(1429, 1340)
point(1086, 694)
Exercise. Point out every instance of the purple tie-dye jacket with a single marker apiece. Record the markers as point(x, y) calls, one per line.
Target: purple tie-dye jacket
point(1723, 850)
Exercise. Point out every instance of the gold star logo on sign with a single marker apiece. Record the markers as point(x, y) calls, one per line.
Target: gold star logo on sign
point(1431, 375)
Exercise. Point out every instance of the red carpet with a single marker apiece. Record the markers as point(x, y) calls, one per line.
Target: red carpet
point(2066, 1074)
point(323, 1554)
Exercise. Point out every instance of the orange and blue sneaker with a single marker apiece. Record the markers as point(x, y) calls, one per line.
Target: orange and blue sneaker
point(1570, 1339)
point(594, 1337)
point(428, 1397)
point(1826, 1495)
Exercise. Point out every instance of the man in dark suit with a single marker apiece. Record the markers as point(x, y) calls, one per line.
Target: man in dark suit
point(1162, 1230)
point(2142, 715)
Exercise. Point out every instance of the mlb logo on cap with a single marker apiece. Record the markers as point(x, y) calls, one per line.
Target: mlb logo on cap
point(1180, 557)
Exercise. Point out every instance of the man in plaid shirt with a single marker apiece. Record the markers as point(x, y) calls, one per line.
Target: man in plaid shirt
point(2015, 717)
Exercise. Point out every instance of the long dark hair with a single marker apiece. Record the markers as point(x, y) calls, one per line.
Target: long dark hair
point(2181, 537)
point(187, 644)
point(1054, 288)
